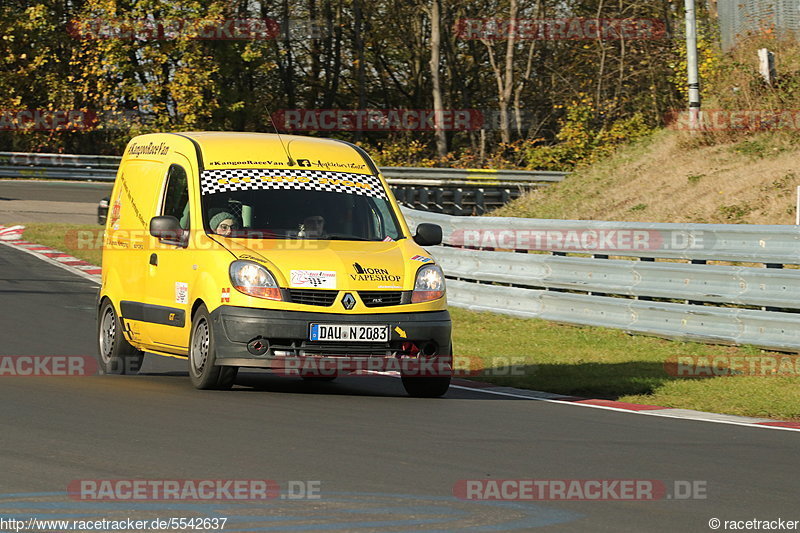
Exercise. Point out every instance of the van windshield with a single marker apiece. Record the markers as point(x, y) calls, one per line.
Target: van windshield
point(297, 205)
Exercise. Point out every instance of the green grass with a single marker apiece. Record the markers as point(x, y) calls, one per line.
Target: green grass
point(582, 361)
point(81, 240)
point(607, 363)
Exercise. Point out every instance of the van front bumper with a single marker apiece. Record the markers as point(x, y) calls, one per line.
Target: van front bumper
point(423, 335)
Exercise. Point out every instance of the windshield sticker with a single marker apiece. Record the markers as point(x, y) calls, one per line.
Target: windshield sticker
point(229, 179)
point(317, 279)
point(329, 164)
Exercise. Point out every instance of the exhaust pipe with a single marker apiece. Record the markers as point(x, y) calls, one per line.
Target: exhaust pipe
point(258, 346)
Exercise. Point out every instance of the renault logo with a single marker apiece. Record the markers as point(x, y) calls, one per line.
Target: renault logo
point(348, 301)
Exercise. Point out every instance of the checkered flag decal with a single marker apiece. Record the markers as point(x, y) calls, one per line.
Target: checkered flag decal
point(244, 179)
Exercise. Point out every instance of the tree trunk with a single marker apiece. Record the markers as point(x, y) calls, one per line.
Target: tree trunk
point(288, 74)
point(436, 37)
point(358, 43)
point(505, 80)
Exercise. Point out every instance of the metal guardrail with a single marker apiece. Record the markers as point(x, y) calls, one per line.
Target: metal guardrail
point(734, 285)
point(442, 190)
point(59, 160)
point(769, 244)
point(58, 166)
point(773, 330)
point(468, 176)
point(463, 191)
point(734, 303)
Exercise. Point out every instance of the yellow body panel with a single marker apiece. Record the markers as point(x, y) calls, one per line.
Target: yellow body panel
point(185, 276)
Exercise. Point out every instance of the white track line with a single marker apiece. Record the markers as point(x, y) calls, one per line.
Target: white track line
point(94, 278)
point(650, 412)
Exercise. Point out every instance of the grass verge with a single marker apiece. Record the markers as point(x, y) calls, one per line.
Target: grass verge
point(607, 363)
point(574, 360)
point(80, 240)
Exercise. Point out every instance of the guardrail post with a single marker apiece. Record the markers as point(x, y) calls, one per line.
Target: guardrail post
point(438, 200)
point(399, 194)
point(423, 199)
point(480, 205)
point(458, 195)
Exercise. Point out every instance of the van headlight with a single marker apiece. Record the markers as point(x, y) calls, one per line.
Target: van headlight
point(253, 279)
point(429, 284)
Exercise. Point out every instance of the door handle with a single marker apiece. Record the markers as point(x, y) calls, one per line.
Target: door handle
point(154, 259)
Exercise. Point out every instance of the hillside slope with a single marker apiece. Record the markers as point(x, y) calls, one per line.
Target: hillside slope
point(675, 177)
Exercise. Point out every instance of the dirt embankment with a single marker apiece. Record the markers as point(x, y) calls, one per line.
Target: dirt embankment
point(676, 177)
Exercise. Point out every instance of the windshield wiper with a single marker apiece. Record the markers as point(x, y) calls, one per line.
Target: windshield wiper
point(343, 237)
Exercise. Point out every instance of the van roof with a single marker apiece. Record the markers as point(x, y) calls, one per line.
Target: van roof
point(209, 137)
point(248, 149)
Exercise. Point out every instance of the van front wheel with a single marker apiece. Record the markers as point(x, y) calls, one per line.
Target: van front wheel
point(202, 370)
point(431, 386)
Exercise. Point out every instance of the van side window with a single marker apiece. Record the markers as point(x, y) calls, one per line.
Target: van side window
point(176, 197)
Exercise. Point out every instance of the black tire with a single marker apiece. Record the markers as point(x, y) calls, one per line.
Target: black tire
point(115, 354)
point(428, 386)
point(202, 355)
point(319, 379)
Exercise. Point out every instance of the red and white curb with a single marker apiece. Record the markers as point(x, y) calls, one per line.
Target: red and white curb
point(13, 237)
point(12, 233)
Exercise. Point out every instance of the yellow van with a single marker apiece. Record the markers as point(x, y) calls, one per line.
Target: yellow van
point(267, 251)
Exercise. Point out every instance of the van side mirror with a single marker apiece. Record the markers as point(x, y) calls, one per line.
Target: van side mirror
point(428, 234)
point(166, 227)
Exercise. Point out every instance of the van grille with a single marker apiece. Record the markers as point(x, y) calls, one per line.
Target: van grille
point(381, 298)
point(313, 297)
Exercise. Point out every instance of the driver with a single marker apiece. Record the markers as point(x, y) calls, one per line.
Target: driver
point(224, 223)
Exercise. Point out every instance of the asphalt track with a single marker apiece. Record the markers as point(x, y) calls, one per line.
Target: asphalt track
point(54, 191)
point(50, 201)
point(386, 462)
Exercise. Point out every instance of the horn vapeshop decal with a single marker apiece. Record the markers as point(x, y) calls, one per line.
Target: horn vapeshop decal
point(238, 179)
point(372, 274)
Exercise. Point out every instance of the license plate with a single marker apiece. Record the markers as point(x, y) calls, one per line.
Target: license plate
point(349, 332)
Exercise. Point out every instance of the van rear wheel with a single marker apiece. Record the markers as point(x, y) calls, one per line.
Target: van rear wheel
point(114, 353)
point(203, 373)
